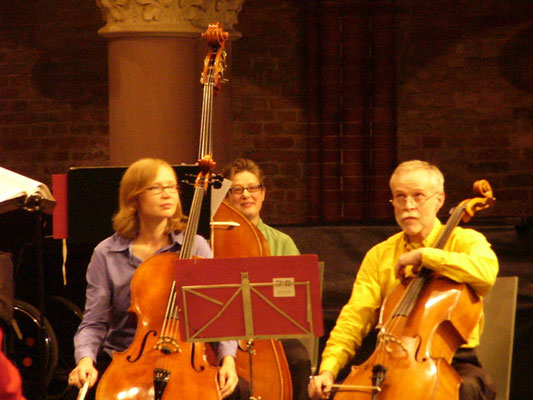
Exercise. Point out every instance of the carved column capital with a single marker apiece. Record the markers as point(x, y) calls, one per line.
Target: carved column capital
point(182, 18)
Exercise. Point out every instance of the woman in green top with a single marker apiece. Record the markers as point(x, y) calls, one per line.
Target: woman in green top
point(247, 194)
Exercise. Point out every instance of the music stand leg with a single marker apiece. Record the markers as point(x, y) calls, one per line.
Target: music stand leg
point(251, 352)
point(41, 300)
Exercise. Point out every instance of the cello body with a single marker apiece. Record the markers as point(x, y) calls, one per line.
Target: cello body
point(418, 365)
point(131, 373)
point(271, 375)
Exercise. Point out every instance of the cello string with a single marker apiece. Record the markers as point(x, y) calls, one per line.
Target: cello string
point(412, 291)
point(164, 329)
point(410, 296)
point(161, 360)
point(192, 224)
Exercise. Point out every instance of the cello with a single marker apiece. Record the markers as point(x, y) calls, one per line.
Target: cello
point(158, 364)
point(422, 323)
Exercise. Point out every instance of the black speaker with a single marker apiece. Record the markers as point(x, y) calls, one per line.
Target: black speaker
point(93, 200)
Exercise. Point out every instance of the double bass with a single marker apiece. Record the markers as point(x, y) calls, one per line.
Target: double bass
point(422, 323)
point(262, 363)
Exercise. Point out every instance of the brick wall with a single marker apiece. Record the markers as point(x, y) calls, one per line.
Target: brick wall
point(462, 99)
point(465, 96)
point(53, 87)
point(269, 103)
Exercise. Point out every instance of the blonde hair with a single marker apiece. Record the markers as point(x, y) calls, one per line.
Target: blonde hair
point(432, 170)
point(135, 181)
point(242, 165)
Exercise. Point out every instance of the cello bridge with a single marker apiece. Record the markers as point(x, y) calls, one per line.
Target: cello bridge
point(388, 338)
point(167, 345)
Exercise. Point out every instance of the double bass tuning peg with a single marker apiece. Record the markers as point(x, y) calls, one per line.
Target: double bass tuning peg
point(216, 181)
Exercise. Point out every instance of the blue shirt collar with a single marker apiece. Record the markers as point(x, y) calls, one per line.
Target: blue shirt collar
point(122, 244)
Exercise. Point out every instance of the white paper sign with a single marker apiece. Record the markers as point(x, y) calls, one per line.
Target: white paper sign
point(284, 287)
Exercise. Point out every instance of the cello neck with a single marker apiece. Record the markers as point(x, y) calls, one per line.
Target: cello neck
point(463, 211)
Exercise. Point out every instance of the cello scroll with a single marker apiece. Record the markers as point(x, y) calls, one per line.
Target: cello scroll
point(471, 206)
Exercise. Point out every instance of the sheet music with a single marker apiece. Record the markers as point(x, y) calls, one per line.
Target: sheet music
point(14, 186)
point(218, 195)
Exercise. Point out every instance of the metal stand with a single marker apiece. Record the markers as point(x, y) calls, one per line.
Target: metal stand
point(33, 204)
point(285, 302)
point(251, 352)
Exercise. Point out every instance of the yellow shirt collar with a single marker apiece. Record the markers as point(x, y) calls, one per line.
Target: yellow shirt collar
point(429, 241)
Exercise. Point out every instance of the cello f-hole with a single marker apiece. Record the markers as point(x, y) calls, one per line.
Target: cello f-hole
point(143, 345)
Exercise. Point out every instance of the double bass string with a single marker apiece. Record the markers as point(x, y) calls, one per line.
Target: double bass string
point(207, 115)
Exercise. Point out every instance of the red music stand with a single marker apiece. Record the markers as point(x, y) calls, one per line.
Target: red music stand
point(250, 298)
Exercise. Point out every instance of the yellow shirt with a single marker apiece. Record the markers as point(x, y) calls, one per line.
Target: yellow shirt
point(466, 258)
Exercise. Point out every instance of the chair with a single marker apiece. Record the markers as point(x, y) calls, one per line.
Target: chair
point(495, 351)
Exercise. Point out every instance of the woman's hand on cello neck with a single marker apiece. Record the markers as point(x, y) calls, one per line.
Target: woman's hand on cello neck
point(320, 385)
point(227, 376)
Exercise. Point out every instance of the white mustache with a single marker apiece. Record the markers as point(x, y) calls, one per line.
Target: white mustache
point(408, 215)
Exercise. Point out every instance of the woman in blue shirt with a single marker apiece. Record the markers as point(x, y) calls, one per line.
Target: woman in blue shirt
point(149, 221)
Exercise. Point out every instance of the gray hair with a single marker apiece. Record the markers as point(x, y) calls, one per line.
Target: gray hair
point(432, 170)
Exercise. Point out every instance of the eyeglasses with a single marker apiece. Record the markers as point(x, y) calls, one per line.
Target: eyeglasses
point(250, 189)
point(419, 199)
point(158, 189)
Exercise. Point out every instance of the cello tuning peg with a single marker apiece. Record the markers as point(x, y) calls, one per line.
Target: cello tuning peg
point(188, 179)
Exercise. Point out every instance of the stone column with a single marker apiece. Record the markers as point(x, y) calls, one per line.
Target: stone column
point(155, 62)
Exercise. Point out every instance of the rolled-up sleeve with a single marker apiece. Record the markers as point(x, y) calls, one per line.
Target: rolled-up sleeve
point(225, 348)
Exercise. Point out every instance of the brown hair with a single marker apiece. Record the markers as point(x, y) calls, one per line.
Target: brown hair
point(241, 165)
point(134, 181)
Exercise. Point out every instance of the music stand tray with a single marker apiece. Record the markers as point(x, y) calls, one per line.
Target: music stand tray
point(250, 298)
